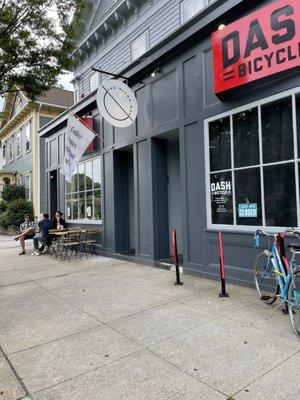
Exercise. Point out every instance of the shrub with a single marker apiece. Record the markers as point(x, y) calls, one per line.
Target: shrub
point(13, 192)
point(14, 215)
point(3, 206)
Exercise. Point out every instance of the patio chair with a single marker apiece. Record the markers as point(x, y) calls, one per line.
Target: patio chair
point(89, 240)
point(71, 244)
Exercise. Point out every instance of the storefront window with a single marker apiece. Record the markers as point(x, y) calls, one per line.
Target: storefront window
point(83, 195)
point(219, 144)
point(277, 131)
point(252, 165)
point(245, 136)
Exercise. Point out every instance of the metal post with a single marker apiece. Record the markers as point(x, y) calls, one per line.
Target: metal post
point(222, 268)
point(175, 256)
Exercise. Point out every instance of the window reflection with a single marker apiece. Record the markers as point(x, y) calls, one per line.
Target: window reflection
point(83, 195)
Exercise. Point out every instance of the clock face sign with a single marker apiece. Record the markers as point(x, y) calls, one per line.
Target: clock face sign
point(117, 103)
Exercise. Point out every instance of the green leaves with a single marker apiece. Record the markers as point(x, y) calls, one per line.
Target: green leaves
point(36, 41)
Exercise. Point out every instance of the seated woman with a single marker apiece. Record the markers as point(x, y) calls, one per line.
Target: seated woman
point(27, 229)
point(59, 222)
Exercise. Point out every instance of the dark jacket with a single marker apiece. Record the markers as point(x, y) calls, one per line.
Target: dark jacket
point(61, 221)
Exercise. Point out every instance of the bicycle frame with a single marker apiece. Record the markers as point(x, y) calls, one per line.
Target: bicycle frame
point(283, 277)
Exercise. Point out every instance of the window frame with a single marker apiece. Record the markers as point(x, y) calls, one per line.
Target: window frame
point(19, 180)
point(145, 33)
point(295, 161)
point(18, 144)
point(28, 174)
point(86, 221)
point(183, 21)
point(11, 149)
point(28, 139)
point(4, 154)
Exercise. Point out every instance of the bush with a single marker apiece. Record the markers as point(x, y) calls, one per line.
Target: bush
point(13, 192)
point(3, 206)
point(14, 215)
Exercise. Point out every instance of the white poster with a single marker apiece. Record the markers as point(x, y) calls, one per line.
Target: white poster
point(78, 137)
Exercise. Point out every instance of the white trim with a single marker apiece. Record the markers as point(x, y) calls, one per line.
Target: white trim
point(92, 221)
point(84, 221)
point(256, 104)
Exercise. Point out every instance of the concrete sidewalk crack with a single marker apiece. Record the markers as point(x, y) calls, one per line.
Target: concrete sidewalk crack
point(19, 379)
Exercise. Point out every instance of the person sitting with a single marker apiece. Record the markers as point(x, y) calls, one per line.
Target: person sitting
point(58, 221)
point(45, 225)
point(27, 229)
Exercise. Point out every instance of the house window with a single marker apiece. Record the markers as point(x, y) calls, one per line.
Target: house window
point(83, 195)
point(11, 150)
point(28, 187)
point(253, 165)
point(18, 144)
point(94, 81)
point(27, 137)
point(189, 8)
point(139, 46)
point(4, 154)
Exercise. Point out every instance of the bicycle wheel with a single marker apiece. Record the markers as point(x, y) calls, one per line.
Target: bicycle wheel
point(265, 278)
point(294, 302)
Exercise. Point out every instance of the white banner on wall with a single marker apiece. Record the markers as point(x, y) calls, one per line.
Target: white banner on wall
point(78, 137)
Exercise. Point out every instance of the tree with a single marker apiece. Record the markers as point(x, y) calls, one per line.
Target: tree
point(37, 38)
point(13, 192)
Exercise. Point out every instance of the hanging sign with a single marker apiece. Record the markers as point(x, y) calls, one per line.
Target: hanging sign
point(261, 44)
point(78, 137)
point(117, 103)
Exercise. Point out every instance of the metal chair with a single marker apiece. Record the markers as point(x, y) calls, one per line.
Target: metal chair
point(89, 241)
point(71, 244)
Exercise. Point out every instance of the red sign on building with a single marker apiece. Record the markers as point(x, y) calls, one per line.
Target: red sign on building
point(261, 44)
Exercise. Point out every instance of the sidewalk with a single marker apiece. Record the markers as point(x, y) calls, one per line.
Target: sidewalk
point(104, 329)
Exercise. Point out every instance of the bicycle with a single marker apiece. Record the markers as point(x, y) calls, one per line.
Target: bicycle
point(277, 277)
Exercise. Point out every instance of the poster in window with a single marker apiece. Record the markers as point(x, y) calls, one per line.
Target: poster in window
point(221, 198)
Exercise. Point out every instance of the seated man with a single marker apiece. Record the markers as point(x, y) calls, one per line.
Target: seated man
point(45, 225)
point(27, 229)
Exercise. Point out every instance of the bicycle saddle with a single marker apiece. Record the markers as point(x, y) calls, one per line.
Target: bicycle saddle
point(295, 246)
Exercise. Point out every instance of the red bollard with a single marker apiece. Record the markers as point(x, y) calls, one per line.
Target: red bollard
point(175, 257)
point(222, 268)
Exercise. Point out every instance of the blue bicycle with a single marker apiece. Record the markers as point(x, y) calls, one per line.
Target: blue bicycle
point(277, 277)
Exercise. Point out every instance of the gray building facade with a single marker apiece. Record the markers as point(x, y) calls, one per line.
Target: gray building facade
point(193, 161)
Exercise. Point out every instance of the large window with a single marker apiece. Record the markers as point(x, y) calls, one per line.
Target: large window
point(18, 144)
point(139, 46)
point(11, 149)
point(28, 186)
point(27, 137)
point(253, 162)
point(4, 154)
point(83, 195)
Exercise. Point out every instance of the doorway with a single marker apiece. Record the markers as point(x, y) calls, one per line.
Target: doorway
point(53, 193)
point(124, 201)
point(167, 194)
